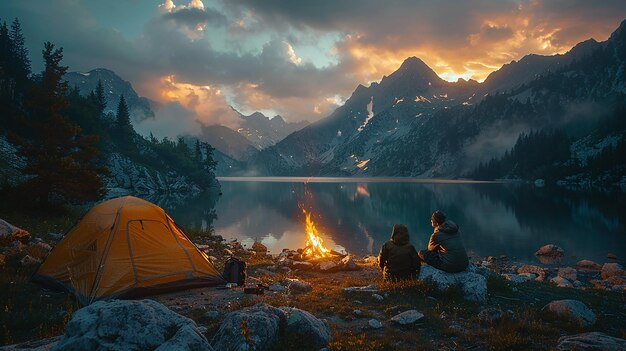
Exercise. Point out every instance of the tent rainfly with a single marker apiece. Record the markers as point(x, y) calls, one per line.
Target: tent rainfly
point(123, 248)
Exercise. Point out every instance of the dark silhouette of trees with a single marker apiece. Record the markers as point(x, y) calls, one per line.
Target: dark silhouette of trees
point(59, 158)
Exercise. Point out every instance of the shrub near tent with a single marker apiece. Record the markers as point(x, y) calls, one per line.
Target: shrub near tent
point(125, 247)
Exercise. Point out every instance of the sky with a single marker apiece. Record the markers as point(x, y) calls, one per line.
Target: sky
point(299, 59)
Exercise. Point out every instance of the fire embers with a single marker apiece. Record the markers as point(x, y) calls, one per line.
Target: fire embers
point(314, 247)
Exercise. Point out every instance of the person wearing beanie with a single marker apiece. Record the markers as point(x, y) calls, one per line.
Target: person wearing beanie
point(398, 258)
point(445, 247)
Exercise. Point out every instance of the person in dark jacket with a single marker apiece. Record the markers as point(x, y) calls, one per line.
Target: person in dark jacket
point(398, 258)
point(445, 247)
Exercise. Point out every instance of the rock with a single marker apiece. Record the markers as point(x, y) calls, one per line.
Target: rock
point(258, 247)
point(42, 246)
point(616, 280)
point(474, 285)
point(378, 297)
point(11, 232)
point(306, 326)
point(540, 183)
point(130, 325)
point(589, 265)
point(371, 260)
point(259, 324)
point(519, 278)
point(561, 282)
point(357, 313)
point(347, 264)
point(277, 287)
point(611, 256)
point(370, 289)
point(305, 266)
point(595, 341)
point(540, 272)
point(296, 286)
point(327, 266)
point(374, 323)
point(568, 273)
point(490, 315)
point(572, 310)
point(612, 270)
point(29, 261)
point(284, 262)
point(550, 250)
point(407, 317)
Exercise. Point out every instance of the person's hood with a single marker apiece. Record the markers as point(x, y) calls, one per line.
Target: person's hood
point(400, 238)
point(448, 227)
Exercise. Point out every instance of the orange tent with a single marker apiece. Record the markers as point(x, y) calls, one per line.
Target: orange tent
point(125, 247)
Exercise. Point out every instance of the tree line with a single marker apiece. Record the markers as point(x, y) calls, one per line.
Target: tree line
point(65, 137)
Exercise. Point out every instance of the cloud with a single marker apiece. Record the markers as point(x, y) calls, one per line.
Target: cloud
point(295, 58)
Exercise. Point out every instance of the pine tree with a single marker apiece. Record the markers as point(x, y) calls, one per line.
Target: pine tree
point(198, 152)
point(209, 163)
point(20, 62)
point(100, 98)
point(123, 116)
point(59, 158)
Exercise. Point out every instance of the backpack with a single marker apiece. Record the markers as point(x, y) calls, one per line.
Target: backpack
point(235, 271)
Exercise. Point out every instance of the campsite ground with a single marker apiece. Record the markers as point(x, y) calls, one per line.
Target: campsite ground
point(450, 322)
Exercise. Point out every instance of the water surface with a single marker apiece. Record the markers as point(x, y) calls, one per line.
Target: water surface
point(356, 215)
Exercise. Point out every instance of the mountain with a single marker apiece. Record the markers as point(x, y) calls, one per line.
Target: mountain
point(114, 86)
point(227, 141)
point(263, 131)
point(413, 123)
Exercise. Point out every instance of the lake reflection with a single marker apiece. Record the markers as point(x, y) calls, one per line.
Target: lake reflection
point(495, 219)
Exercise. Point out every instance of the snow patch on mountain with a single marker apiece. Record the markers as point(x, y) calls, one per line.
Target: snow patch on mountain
point(370, 114)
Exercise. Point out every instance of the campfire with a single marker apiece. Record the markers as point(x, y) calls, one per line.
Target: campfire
point(314, 247)
point(315, 255)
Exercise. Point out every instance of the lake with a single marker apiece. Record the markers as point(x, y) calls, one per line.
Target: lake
point(356, 215)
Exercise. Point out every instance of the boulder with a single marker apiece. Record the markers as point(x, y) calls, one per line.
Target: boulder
point(374, 323)
point(258, 247)
point(490, 315)
point(572, 310)
point(252, 328)
point(130, 325)
point(277, 287)
point(378, 297)
point(550, 250)
point(612, 270)
point(307, 327)
point(561, 282)
point(611, 256)
point(296, 286)
point(474, 285)
point(588, 265)
point(568, 273)
point(527, 268)
point(595, 341)
point(11, 232)
point(327, 266)
point(407, 317)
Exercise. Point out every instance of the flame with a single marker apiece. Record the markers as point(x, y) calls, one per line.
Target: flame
point(314, 244)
